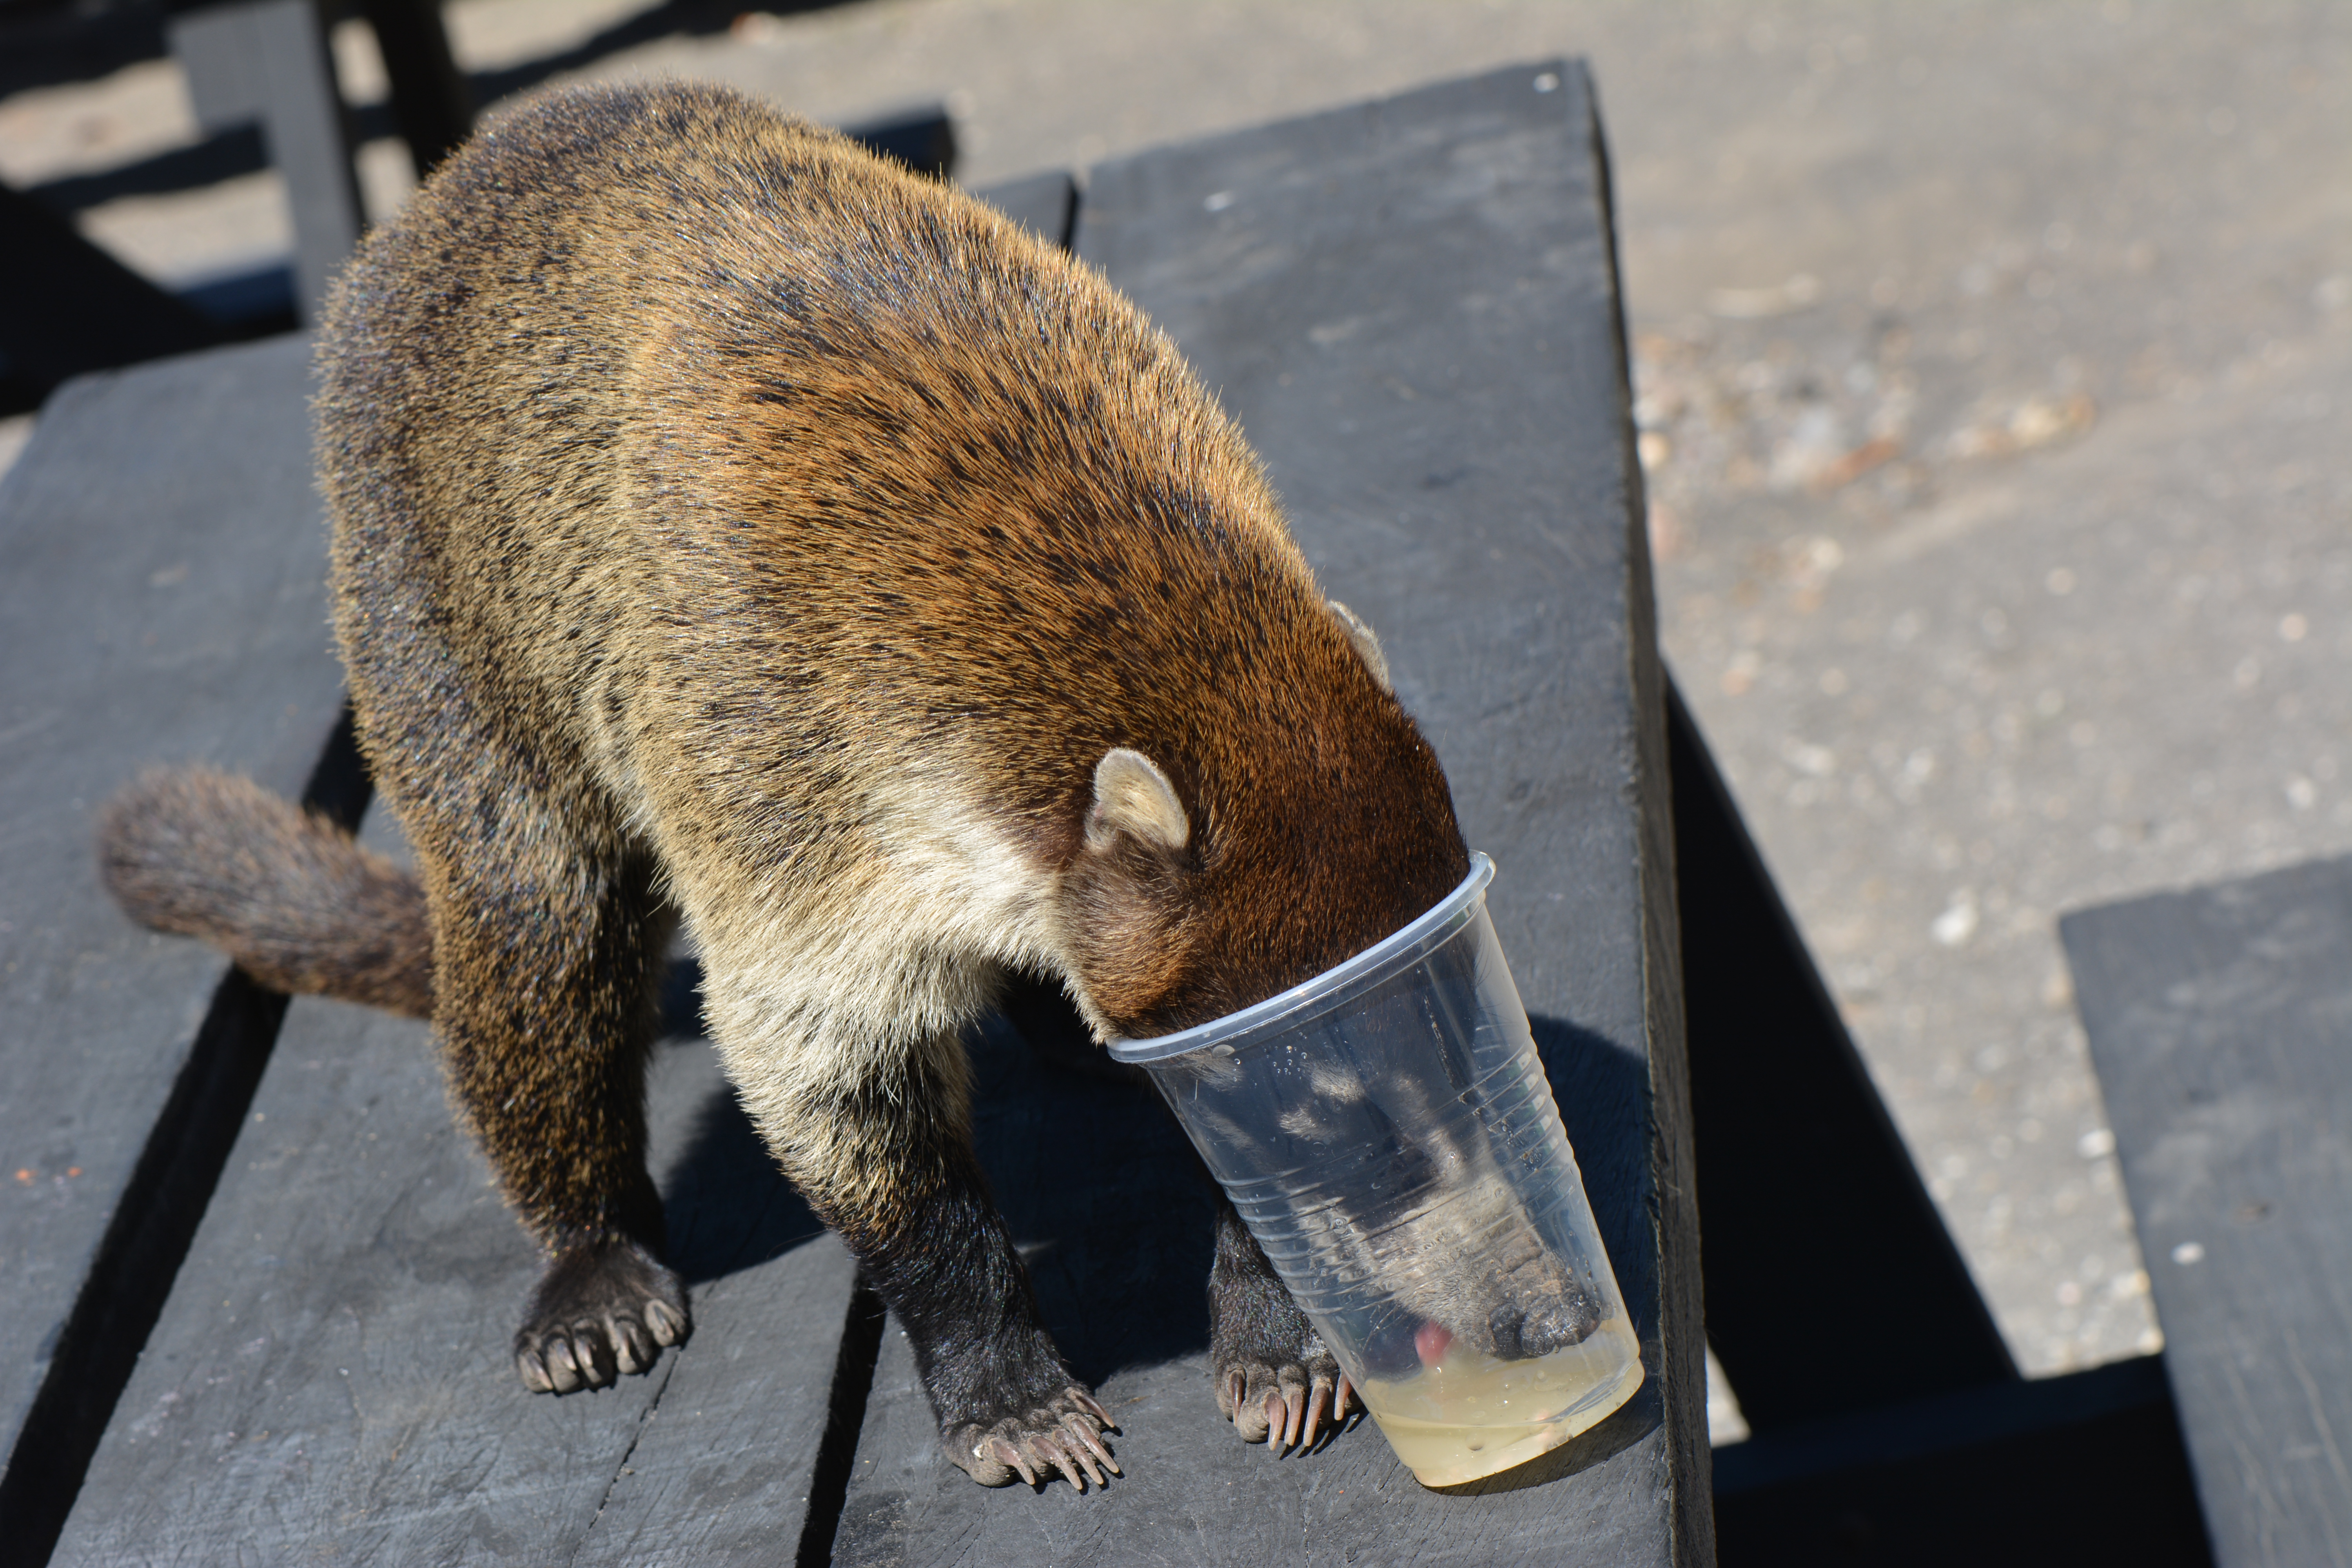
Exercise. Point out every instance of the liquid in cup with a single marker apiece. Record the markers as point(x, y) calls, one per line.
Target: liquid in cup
point(1386, 1131)
point(1469, 1415)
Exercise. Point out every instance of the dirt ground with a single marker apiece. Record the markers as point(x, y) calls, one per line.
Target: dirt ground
point(1994, 369)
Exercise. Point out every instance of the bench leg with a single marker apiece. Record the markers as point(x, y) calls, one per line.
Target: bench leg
point(268, 60)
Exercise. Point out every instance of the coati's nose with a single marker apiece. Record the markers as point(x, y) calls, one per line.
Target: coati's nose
point(1522, 1334)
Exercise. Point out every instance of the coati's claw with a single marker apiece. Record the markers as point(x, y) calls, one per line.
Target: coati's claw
point(1274, 1380)
point(1088, 1438)
point(1064, 1439)
point(1342, 1395)
point(600, 1309)
point(668, 1323)
point(1289, 1404)
point(1006, 1454)
point(1320, 1406)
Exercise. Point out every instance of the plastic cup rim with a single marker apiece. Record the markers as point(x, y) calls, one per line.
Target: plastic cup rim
point(1407, 945)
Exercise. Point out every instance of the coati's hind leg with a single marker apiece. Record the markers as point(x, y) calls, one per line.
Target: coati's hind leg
point(1275, 1379)
point(547, 940)
point(881, 1148)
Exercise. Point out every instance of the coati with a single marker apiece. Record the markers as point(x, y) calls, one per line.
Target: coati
point(731, 527)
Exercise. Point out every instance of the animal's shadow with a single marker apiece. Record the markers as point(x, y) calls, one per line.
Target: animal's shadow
point(1103, 1196)
point(725, 1204)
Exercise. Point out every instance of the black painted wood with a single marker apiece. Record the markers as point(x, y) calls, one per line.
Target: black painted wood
point(431, 101)
point(1410, 307)
point(155, 1220)
point(1045, 204)
point(922, 139)
point(2221, 1024)
point(1777, 1087)
point(162, 567)
point(268, 60)
point(332, 1377)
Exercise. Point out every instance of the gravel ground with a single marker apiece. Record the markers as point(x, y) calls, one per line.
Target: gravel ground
point(1994, 370)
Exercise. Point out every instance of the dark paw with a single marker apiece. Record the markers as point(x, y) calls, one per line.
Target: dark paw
point(1523, 1332)
point(1064, 1436)
point(1287, 1401)
point(1274, 1380)
point(600, 1309)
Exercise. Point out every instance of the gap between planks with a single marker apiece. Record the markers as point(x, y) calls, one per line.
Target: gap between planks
point(149, 1235)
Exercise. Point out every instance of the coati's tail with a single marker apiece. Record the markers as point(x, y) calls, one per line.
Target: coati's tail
point(292, 898)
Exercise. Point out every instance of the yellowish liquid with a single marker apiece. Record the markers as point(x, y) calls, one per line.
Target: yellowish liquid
point(1469, 1415)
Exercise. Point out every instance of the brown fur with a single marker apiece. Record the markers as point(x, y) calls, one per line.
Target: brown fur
point(286, 892)
point(730, 521)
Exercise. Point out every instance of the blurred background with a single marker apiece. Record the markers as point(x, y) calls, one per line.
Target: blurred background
point(1993, 370)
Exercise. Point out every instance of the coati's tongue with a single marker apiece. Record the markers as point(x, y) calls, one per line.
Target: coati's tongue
point(1429, 1342)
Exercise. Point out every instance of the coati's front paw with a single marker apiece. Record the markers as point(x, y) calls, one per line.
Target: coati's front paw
point(1275, 1379)
point(600, 1309)
point(1285, 1398)
point(1063, 1435)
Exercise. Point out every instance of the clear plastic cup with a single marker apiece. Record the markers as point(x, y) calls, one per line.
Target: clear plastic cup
point(1388, 1134)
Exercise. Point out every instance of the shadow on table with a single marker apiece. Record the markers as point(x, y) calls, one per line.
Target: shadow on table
point(726, 1204)
point(1105, 1197)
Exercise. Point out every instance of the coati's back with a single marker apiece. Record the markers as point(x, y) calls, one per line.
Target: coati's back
point(807, 515)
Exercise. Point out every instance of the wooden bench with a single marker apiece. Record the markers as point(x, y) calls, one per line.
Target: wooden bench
point(1412, 307)
point(2220, 1025)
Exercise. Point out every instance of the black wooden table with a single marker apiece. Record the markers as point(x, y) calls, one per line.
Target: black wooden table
point(2220, 1024)
point(1412, 307)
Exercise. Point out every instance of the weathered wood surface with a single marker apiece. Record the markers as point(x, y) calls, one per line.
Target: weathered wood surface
point(270, 62)
point(2221, 1024)
point(1041, 204)
point(332, 1377)
point(1410, 307)
point(162, 598)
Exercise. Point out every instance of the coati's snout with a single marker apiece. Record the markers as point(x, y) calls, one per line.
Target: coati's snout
point(1519, 1304)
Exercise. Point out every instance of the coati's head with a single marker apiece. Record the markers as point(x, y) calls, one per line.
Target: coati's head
point(1289, 825)
point(1244, 866)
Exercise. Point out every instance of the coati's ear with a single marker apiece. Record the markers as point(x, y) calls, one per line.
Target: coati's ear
point(1360, 635)
point(1133, 795)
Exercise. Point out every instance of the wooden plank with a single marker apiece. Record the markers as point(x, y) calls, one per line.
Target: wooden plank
point(2218, 1021)
point(268, 60)
point(161, 595)
point(1410, 307)
point(332, 1373)
point(79, 309)
point(431, 101)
